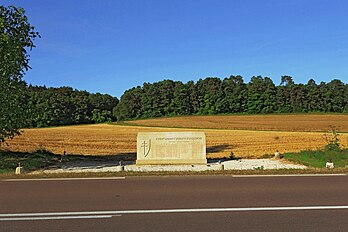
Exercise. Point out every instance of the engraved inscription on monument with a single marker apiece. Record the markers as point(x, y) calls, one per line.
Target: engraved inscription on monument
point(171, 148)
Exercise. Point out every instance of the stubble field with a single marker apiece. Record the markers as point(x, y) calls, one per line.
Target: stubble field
point(274, 122)
point(247, 142)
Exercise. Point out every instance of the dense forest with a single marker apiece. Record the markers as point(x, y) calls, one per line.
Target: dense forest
point(231, 95)
point(66, 106)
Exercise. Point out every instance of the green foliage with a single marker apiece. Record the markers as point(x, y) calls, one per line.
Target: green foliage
point(332, 140)
point(100, 116)
point(332, 152)
point(231, 95)
point(30, 161)
point(261, 95)
point(235, 95)
point(16, 38)
point(319, 158)
point(66, 106)
point(12, 108)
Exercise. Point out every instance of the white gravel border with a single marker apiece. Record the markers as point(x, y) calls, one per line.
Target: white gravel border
point(242, 164)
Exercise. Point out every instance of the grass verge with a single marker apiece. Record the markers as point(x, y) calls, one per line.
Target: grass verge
point(30, 161)
point(318, 159)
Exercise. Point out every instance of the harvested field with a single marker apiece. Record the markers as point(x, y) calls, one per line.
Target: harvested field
point(103, 139)
point(300, 122)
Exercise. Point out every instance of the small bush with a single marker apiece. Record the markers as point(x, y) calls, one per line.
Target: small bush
point(332, 140)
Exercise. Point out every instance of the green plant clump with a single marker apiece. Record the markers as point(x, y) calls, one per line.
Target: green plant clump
point(332, 140)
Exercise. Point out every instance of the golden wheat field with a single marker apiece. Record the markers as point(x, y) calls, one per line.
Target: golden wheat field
point(300, 122)
point(104, 139)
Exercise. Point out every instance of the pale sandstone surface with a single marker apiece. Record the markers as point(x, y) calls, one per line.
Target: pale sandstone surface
point(171, 148)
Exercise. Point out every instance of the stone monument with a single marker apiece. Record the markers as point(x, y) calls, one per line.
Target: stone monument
point(171, 148)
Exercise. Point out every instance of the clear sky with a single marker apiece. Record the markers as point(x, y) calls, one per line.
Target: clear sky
point(109, 46)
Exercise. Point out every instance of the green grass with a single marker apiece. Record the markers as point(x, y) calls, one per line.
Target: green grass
point(318, 159)
point(30, 161)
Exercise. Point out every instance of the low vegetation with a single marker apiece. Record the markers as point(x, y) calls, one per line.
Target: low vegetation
point(30, 161)
point(319, 158)
point(332, 152)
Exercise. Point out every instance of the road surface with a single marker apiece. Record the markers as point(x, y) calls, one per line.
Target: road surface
point(197, 203)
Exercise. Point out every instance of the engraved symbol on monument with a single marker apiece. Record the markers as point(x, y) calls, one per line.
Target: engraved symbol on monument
point(146, 146)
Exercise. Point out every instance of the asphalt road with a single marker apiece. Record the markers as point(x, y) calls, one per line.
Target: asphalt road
point(195, 203)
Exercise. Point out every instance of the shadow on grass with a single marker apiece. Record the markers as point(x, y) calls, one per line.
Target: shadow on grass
point(30, 161)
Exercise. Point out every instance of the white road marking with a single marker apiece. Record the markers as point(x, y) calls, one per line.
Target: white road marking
point(19, 216)
point(56, 218)
point(65, 179)
point(292, 175)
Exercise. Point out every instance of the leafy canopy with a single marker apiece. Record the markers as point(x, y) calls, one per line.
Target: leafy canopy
point(17, 37)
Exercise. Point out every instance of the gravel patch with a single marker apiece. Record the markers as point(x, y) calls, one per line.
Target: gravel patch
point(249, 164)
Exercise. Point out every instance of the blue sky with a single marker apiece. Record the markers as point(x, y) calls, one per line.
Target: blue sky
point(109, 46)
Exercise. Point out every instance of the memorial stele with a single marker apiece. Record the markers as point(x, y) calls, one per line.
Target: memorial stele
point(171, 148)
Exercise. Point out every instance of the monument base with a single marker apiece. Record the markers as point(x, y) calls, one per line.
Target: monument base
point(171, 162)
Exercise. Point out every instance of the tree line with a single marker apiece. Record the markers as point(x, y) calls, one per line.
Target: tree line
point(66, 106)
point(231, 95)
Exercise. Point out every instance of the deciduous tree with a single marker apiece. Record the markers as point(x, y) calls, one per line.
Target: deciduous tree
point(17, 37)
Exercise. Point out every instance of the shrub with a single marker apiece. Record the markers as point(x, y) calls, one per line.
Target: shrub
point(332, 140)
